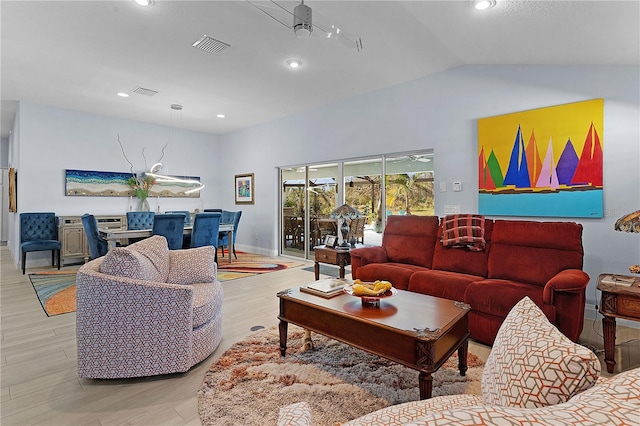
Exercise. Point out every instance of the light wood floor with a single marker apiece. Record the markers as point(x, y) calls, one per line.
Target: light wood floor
point(40, 384)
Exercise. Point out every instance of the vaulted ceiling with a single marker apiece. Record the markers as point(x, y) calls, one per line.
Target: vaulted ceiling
point(79, 54)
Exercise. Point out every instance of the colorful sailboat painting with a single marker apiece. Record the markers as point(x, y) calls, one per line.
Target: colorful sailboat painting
point(562, 184)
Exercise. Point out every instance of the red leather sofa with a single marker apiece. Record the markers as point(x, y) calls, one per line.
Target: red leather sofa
point(542, 260)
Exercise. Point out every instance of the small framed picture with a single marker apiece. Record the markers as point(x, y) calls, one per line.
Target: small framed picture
point(244, 191)
point(330, 241)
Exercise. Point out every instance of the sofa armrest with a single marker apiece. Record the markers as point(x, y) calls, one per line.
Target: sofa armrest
point(298, 414)
point(192, 266)
point(400, 414)
point(567, 281)
point(364, 256)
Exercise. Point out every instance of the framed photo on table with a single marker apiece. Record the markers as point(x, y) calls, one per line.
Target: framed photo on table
point(330, 241)
point(244, 190)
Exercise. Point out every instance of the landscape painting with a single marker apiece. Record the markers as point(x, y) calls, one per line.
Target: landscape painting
point(97, 184)
point(542, 162)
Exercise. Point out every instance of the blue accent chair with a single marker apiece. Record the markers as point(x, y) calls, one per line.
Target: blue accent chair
point(97, 246)
point(223, 239)
point(139, 220)
point(170, 226)
point(205, 231)
point(39, 232)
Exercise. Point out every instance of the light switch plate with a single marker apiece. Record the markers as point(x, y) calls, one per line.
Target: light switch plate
point(443, 186)
point(451, 209)
point(457, 186)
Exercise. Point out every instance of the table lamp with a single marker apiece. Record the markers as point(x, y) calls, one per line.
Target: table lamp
point(630, 223)
point(345, 212)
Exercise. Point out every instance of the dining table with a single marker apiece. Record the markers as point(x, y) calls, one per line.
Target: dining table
point(113, 235)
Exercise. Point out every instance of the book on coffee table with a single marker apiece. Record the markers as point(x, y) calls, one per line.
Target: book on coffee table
point(327, 288)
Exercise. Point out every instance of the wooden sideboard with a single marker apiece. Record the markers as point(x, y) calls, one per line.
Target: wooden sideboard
point(73, 239)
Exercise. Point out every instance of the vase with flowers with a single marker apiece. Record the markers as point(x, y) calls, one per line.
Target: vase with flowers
point(142, 185)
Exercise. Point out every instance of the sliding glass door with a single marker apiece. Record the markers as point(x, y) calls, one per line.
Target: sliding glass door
point(394, 184)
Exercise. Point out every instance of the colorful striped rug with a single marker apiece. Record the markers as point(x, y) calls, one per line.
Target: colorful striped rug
point(249, 264)
point(56, 290)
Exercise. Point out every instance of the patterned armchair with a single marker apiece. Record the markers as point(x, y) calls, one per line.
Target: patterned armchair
point(534, 375)
point(144, 310)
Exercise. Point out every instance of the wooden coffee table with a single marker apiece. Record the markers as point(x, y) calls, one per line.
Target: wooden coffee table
point(415, 330)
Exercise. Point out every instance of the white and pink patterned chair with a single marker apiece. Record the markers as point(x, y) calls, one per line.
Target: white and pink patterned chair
point(144, 310)
point(533, 376)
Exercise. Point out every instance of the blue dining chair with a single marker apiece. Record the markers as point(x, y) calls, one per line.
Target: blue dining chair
point(186, 242)
point(205, 231)
point(39, 232)
point(170, 226)
point(223, 239)
point(97, 246)
point(139, 220)
point(187, 216)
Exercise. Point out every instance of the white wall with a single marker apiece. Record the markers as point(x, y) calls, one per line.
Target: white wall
point(438, 112)
point(441, 112)
point(50, 140)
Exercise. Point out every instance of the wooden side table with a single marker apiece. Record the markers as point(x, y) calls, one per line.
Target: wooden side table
point(617, 302)
point(331, 256)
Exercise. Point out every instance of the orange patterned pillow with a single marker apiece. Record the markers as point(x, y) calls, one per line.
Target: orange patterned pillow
point(532, 364)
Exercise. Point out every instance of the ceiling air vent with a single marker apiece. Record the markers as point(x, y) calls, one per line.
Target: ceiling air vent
point(142, 91)
point(211, 45)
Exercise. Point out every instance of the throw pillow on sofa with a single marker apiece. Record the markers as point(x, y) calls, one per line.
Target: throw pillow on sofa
point(533, 365)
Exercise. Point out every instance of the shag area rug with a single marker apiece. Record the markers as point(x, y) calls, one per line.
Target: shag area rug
point(56, 291)
point(251, 381)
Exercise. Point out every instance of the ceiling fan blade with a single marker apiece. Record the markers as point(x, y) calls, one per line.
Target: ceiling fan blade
point(322, 28)
point(283, 12)
point(275, 11)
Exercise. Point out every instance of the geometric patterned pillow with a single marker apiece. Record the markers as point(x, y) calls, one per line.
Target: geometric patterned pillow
point(532, 364)
point(146, 260)
point(192, 266)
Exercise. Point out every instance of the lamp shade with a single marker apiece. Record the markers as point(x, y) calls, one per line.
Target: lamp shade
point(629, 223)
point(345, 211)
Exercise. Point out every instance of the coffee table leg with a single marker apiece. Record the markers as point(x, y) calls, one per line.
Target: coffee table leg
point(283, 337)
point(463, 350)
point(426, 385)
point(342, 269)
point(316, 269)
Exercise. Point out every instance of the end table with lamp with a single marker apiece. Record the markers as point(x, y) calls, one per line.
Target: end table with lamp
point(620, 294)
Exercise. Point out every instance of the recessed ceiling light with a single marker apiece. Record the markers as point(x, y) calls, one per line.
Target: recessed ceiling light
point(221, 116)
point(145, 2)
point(123, 95)
point(484, 4)
point(294, 63)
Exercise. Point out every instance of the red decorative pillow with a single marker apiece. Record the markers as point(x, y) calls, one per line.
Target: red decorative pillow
point(463, 230)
